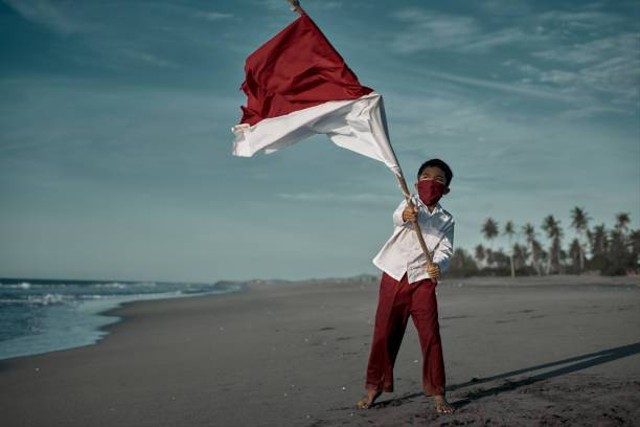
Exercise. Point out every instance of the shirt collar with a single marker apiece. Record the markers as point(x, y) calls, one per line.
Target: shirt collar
point(436, 210)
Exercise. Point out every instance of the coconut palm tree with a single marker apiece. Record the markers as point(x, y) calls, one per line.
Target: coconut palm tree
point(634, 239)
point(541, 255)
point(520, 255)
point(552, 227)
point(480, 255)
point(622, 222)
point(617, 254)
point(509, 231)
point(534, 246)
point(575, 252)
point(580, 222)
point(598, 240)
point(490, 231)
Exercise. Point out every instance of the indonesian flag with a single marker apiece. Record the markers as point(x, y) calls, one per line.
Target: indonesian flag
point(298, 85)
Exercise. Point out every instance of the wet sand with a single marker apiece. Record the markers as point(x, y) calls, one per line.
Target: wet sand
point(550, 351)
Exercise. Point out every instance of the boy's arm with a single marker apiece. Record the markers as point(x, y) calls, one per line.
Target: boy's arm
point(444, 250)
point(397, 214)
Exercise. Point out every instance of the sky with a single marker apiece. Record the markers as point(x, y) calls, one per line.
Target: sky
point(115, 142)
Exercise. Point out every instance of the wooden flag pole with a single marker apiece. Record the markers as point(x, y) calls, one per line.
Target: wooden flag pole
point(407, 196)
point(295, 6)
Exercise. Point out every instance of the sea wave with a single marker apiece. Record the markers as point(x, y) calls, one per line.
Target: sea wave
point(47, 299)
point(124, 285)
point(39, 316)
point(23, 285)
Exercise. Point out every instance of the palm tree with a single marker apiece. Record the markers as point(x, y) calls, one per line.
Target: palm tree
point(598, 240)
point(490, 231)
point(622, 221)
point(634, 239)
point(617, 254)
point(500, 259)
point(580, 221)
point(534, 246)
point(509, 232)
point(575, 252)
point(541, 254)
point(480, 255)
point(520, 255)
point(554, 233)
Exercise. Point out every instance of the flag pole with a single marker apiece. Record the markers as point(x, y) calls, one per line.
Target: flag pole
point(295, 7)
point(407, 196)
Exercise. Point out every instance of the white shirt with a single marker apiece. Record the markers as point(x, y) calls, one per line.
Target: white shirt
point(402, 253)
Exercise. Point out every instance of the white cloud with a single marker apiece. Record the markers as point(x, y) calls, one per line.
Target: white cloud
point(368, 198)
point(513, 88)
point(578, 54)
point(282, 5)
point(579, 57)
point(558, 77)
point(508, 36)
point(606, 71)
point(578, 20)
point(143, 57)
point(45, 12)
point(506, 7)
point(427, 30)
point(213, 16)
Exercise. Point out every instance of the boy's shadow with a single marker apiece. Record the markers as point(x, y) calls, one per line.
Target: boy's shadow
point(574, 364)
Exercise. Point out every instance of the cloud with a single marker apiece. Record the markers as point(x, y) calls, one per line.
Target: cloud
point(578, 20)
point(558, 77)
point(213, 16)
point(142, 57)
point(424, 30)
point(506, 7)
point(605, 71)
point(44, 12)
point(512, 88)
point(505, 37)
point(367, 198)
point(580, 54)
point(582, 57)
point(282, 5)
point(161, 34)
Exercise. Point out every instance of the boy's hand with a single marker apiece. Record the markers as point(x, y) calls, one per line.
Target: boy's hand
point(434, 271)
point(410, 214)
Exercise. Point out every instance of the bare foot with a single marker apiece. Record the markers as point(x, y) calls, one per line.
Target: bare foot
point(369, 400)
point(442, 406)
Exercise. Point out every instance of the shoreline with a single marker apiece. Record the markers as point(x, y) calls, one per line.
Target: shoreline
point(570, 281)
point(295, 354)
point(98, 315)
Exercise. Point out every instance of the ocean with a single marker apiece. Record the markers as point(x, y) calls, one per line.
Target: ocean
point(39, 316)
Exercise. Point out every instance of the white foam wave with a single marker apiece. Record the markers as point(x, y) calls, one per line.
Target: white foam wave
point(23, 285)
point(46, 299)
point(114, 285)
point(118, 285)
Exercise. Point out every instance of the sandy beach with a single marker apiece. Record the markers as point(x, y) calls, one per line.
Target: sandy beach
point(537, 351)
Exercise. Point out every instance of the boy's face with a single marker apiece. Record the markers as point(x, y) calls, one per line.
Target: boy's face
point(436, 174)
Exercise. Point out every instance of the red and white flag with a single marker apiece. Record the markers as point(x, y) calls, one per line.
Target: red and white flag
point(298, 85)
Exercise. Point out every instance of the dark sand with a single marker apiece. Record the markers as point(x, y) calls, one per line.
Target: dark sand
point(552, 351)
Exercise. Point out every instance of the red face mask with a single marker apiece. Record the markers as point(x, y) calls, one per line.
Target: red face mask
point(430, 191)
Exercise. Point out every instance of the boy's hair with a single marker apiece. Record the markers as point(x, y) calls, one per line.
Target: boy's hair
point(440, 164)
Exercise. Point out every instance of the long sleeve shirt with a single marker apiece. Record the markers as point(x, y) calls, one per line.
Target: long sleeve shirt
point(402, 253)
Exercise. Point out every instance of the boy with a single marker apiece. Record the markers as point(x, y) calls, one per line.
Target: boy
point(407, 287)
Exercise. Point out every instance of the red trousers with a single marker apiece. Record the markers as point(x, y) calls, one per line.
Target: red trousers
point(398, 301)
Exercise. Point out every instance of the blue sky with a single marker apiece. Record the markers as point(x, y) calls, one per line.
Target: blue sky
point(115, 131)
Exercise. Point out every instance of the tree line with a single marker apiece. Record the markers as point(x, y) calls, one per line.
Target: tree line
point(609, 251)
